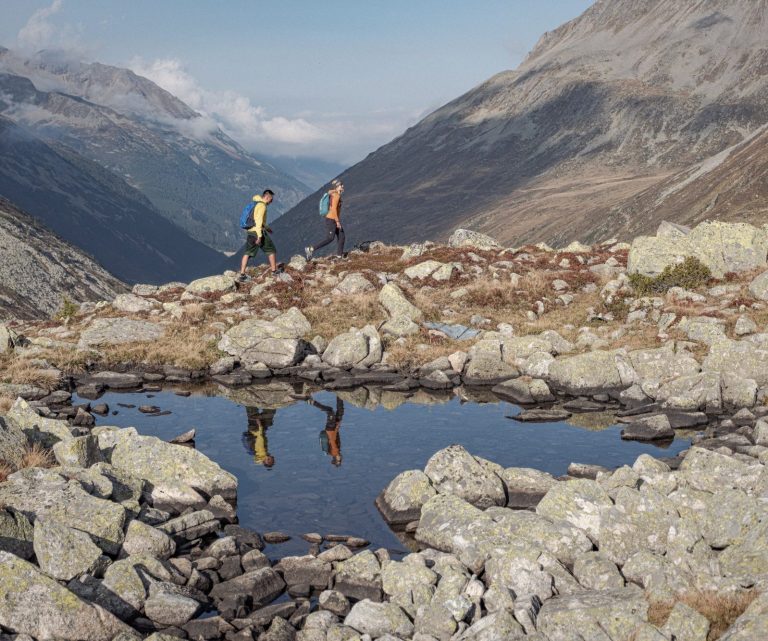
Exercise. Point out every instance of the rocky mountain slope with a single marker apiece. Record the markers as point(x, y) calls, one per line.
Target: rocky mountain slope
point(604, 108)
point(95, 210)
point(38, 269)
point(192, 172)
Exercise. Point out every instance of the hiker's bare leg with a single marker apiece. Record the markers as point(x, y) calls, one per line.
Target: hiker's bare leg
point(243, 264)
point(273, 262)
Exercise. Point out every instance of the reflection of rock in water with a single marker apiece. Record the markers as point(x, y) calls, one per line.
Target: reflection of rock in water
point(477, 395)
point(593, 421)
point(371, 397)
point(423, 396)
point(357, 396)
point(274, 395)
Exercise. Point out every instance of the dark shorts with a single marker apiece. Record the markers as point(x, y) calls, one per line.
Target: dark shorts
point(252, 246)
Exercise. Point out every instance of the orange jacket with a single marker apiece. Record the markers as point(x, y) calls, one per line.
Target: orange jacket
point(334, 210)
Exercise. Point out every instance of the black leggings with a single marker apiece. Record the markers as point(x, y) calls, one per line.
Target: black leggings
point(331, 231)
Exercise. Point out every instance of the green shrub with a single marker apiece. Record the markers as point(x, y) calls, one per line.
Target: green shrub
point(689, 274)
point(67, 310)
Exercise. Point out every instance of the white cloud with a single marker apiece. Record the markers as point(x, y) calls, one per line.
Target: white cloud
point(40, 32)
point(340, 137)
point(246, 122)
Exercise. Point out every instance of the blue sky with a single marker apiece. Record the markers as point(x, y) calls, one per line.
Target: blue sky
point(333, 79)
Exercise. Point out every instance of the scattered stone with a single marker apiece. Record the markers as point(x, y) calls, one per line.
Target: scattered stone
point(541, 416)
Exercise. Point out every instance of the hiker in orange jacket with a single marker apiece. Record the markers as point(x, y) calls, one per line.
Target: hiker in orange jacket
point(333, 226)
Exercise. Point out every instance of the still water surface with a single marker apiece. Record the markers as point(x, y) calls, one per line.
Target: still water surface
point(318, 466)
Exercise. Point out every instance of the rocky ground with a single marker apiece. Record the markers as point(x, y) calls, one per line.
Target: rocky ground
point(127, 529)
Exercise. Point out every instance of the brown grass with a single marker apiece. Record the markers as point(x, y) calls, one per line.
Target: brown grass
point(34, 456)
point(6, 402)
point(342, 313)
point(408, 357)
point(21, 372)
point(5, 471)
point(720, 609)
point(69, 361)
point(183, 345)
point(37, 456)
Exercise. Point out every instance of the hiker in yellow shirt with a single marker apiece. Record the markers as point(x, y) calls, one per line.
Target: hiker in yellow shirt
point(255, 439)
point(259, 235)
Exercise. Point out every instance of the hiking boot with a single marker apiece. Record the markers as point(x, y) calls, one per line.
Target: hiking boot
point(309, 252)
point(242, 278)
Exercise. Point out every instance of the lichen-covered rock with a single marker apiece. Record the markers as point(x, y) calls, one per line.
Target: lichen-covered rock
point(693, 392)
point(117, 331)
point(662, 364)
point(378, 619)
point(593, 615)
point(62, 552)
point(154, 460)
point(450, 524)
point(131, 304)
point(499, 625)
point(354, 283)
point(168, 608)
point(524, 390)
point(526, 486)
point(37, 429)
point(745, 358)
point(453, 470)
point(686, 624)
point(638, 521)
point(579, 502)
point(356, 348)
point(589, 373)
point(12, 442)
point(753, 624)
point(712, 471)
point(82, 451)
point(747, 559)
point(275, 343)
point(723, 247)
point(400, 577)
point(560, 538)
point(16, 533)
point(359, 577)
point(518, 574)
point(67, 503)
point(396, 304)
point(403, 498)
point(34, 604)
point(218, 283)
point(129, 578)
point(141, 538)
point(469, 238)
point(596, 572)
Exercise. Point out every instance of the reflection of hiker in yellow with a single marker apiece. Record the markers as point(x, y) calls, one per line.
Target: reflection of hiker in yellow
point(330, 440)
point(255, 439)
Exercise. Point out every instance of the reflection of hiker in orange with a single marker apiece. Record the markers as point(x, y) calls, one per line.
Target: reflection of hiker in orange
point(330, 440)
point(255, 439)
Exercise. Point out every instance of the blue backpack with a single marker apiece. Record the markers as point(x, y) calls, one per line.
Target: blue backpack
point(246, 217)
point(325, 204)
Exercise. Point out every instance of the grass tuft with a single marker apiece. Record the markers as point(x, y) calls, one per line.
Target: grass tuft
point(689, 274)
point(720, 609)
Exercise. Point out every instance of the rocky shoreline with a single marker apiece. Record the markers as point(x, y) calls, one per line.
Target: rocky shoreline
point(132, 537)
point(130, 528)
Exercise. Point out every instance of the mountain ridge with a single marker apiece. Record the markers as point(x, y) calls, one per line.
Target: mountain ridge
point(39, 269)
point(193, 173)
point(627, 94)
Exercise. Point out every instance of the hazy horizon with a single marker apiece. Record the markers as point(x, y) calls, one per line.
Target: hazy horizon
point(331, 82)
